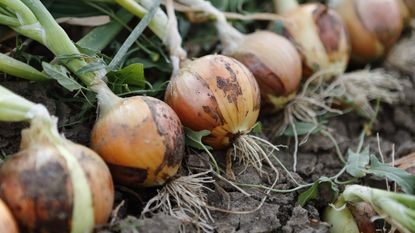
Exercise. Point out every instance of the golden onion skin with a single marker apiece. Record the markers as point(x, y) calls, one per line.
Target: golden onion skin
point(274, 62)
point(7, 222)
point(373, 25)
point(320, 37)
point(142, 141)
point(36, 185)
point(215, 93)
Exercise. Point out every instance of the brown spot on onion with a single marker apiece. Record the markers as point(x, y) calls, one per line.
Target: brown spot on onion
point(140, 133)
point(329, 28)
point(130, 176)
point(215, 93)
point(363, 213)
point(320, 37)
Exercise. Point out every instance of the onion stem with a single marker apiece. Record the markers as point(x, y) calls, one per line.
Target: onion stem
point(397, 208)
point(158, 24)
point(284, 6)
point(37, 23)
point(19, 69)
point(13, 107)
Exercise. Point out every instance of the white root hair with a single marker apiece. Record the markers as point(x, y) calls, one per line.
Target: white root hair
point(402, 55)
point(252, 151)
point(185, 199)
point(362, 86)
point(319, 93)
point(314, 99)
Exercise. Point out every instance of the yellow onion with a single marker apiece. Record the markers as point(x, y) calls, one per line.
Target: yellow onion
point(7, 222)
point(274, 62)
point(141, 139)
point(272, 59)
point(373, 26)
point(215, 93)
point(318, 33)
point(54, 185)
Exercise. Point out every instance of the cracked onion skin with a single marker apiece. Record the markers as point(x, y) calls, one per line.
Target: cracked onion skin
point(7, 222)
point(142, 141)
point(36, 185)
point(373, 25)
point(319, 35)
point(274, 62)
point(215, 93)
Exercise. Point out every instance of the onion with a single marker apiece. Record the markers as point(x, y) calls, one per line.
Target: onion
point(273, 60)
point(215, 93)
point(318, 33)
point(7, 222)
point(373, 25)
point(141, 138)
point(52, 183)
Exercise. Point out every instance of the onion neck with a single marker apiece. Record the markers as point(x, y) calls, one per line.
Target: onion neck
point(229, 36)
point(284, 6)
point(173, 39)
point(158, 24)
point(107, 100)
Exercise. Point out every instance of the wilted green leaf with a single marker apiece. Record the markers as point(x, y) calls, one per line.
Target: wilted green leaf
point(132, 74)
point(257, 128)
point(357, 162)
point(194, 138)
point(404, 179)
point(312, 192)
point(62, 76)
point(302, 128)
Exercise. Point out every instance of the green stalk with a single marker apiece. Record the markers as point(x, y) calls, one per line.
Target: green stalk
point(56, 39)
point(9, 21)
point(25, 16)
point(20, 69)
point(397, 208)
point(13, 107)
point(284, 6)
point(158, 24)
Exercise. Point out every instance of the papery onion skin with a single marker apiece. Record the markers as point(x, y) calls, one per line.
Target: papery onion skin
point(373, 25)
point(7, 222)
point(215, 93)
point(320, 37)
point(274, 62)
point(36, 185)
point(142, 141)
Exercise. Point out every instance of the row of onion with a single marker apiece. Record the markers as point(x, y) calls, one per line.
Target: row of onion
point(142, 138)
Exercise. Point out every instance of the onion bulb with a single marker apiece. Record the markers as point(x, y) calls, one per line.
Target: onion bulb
point(373, 25)
point(274, 62)
point(272, 59)
point(140, 138)
point(52, 184)
point(7, 222)
point(318, 33)
point(215, 93)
